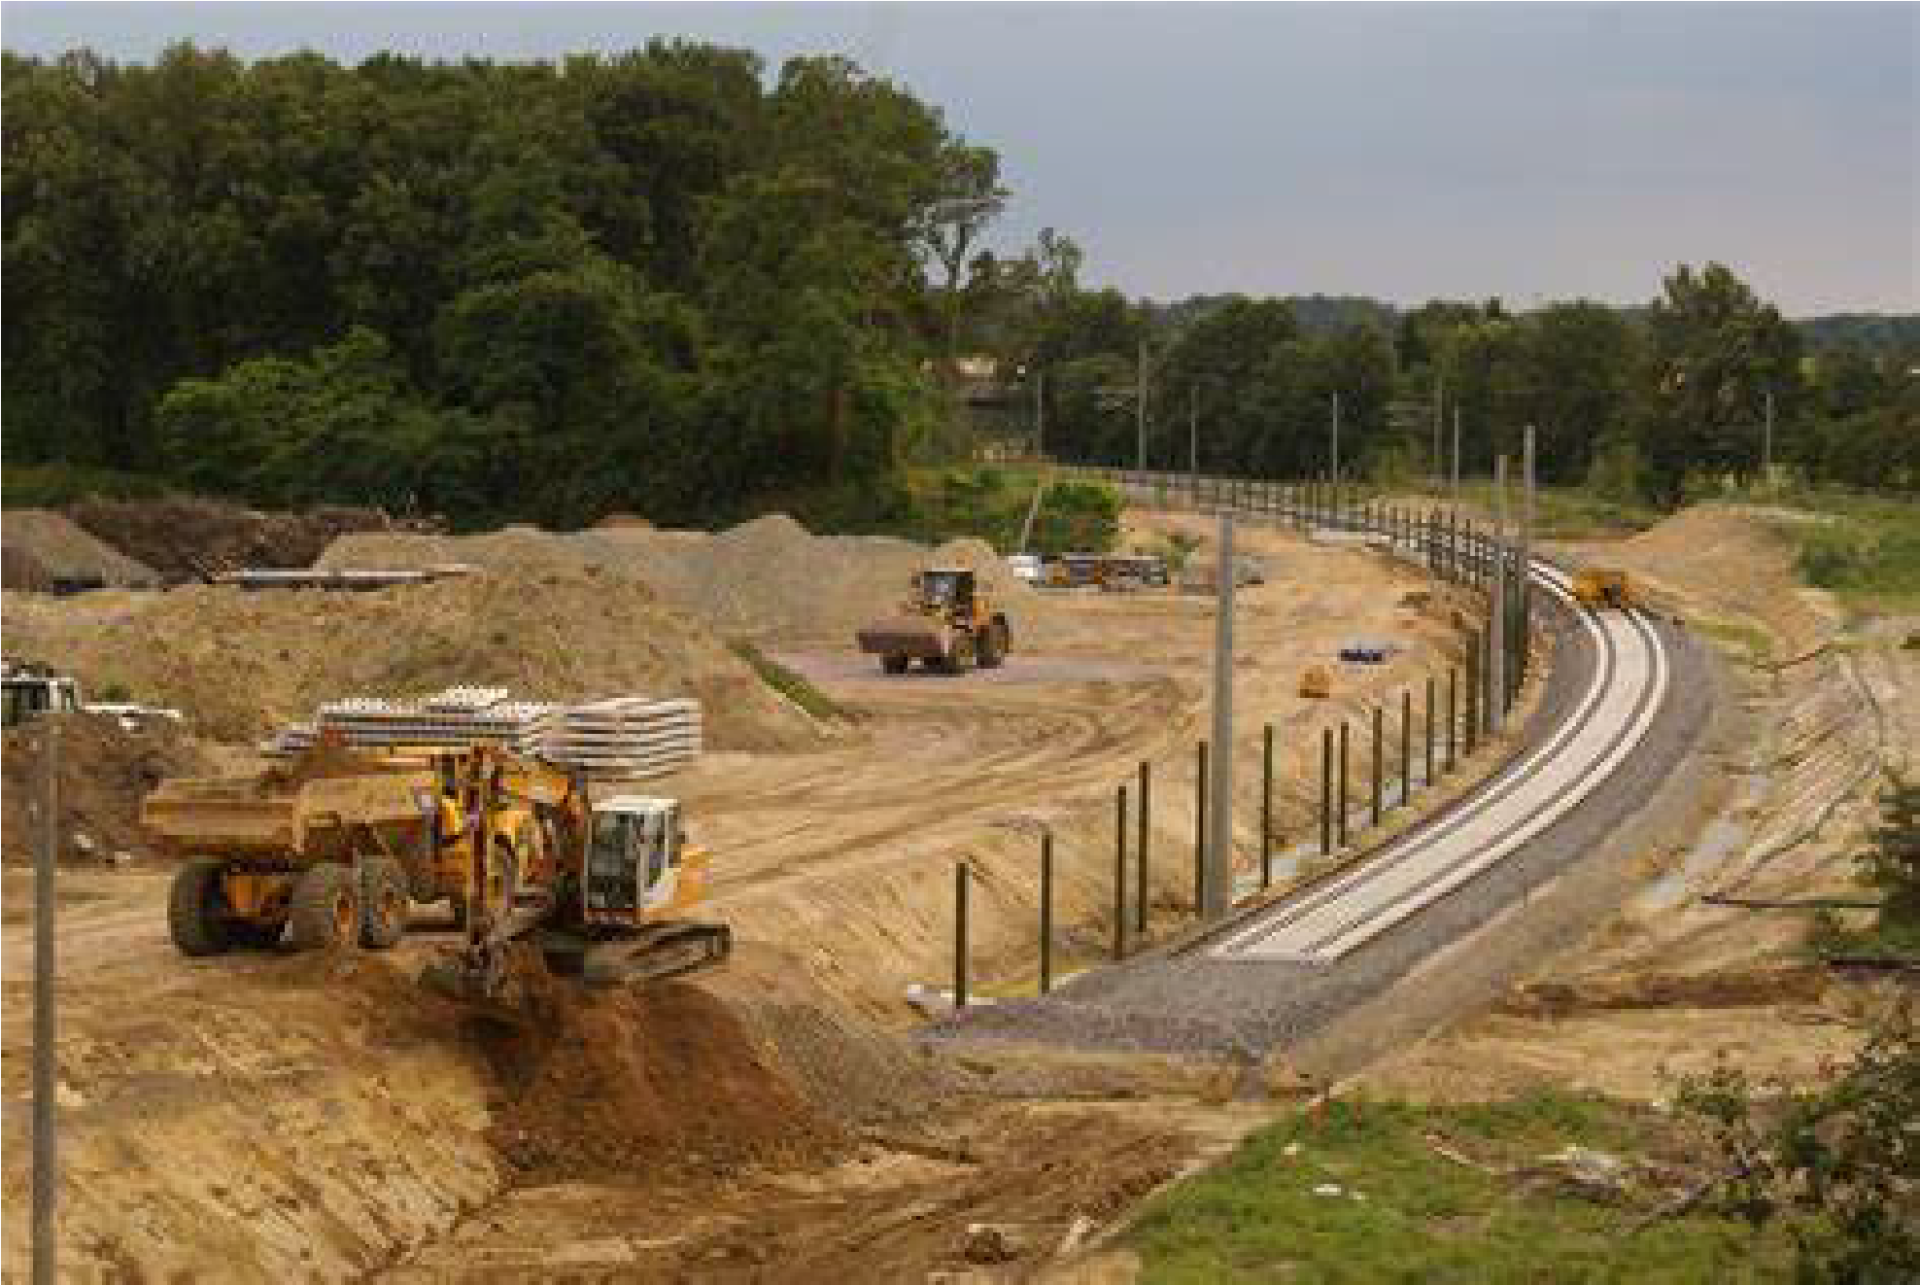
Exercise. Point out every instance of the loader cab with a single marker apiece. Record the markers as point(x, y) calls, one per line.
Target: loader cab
point(633, 856)
point(31, 692)
point(946, 587)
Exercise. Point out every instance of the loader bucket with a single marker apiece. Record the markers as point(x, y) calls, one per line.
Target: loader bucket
point(905, 636)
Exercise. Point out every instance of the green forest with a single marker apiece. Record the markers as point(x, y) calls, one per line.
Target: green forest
point(681, 283)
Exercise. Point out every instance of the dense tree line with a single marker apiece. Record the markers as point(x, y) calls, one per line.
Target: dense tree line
point(1645, 402)
point(675, 282)
point(661, 280)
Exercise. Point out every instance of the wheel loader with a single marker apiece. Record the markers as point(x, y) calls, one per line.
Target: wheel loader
point(946, 623)
point(333, 849)
point(1597, 587)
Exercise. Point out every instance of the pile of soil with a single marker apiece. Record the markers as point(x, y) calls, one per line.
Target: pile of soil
point(1727, 558)
point(768, 579)
point(103, 773)
point(638, 1082)
point(188, 538)
point(45, 550)
point(239, 664)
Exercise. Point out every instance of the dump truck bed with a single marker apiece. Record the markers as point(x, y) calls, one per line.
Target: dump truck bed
point(299, 819)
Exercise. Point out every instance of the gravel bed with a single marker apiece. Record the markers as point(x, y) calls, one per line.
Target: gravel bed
point(1193, 1003)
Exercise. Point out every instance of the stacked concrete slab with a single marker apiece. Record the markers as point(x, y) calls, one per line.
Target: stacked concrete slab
point(621, 738)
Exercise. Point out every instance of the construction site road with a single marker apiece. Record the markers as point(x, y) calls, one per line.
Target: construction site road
point(1276, 979)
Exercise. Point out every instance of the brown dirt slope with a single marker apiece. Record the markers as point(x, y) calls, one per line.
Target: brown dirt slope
point(185, 537)
point(104, 772)
point(1725, 558)
point(637, 1081)
point(768, 578)
point(238, 663)
point(43, 546)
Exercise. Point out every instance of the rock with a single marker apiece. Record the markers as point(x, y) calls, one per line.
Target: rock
point(1582, 1171)
point(992, 1243)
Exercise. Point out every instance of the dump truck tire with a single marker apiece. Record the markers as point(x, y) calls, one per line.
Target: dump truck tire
point(895, 664)
point(194, 909)
point(383, 903)
point(995, 643)
point(325, 914)
point(963, 656)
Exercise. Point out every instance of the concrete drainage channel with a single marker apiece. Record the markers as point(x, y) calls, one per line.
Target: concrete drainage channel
point(1190, 997)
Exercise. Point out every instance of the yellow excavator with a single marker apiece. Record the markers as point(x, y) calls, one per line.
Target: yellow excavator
point(947, 623)
point(332, 849)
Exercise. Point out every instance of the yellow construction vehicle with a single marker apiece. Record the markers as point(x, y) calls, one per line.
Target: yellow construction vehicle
point(334, 848)
point(1596, 587)
point(947, 623)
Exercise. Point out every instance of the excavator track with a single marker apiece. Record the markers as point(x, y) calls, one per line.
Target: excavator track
point(652, 954)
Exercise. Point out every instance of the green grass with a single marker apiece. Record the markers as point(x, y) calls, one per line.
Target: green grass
point(37, 486)
point(1569, 513)
point(1426, 1218)
point(791, 685)
point(1867, 548)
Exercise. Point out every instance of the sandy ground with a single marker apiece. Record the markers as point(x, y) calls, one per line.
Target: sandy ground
point(1822, 705)
point(277, 1117)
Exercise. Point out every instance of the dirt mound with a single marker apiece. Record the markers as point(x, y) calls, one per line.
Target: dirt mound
point(766, 579)
point(186, 537)
point(104, 772)
point(1741, 988)
point(1727, 558)
point(239, 664)
point(651, 1081)
point(45, 550)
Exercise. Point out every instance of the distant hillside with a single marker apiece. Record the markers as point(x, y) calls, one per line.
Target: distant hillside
point(1317, 314)
point(1897, 331)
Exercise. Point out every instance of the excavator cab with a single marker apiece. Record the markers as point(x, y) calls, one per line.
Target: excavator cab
point(633, 858)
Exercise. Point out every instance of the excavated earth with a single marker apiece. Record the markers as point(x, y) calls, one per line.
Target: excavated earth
point(291, 1117)
point(281, 1117)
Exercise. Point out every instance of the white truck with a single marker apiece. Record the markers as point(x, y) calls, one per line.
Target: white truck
point(31, 690)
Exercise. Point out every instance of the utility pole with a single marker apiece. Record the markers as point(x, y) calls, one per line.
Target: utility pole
point(1140, 410)
point(1040, 414)
point(1439, 400)
point(1456, 453)
point(1193, 429)
point(1336, 446)
point(1496, 684)
point(1219, 856)
point(1766, 443)
point(46, 1160)
point(1526, 552)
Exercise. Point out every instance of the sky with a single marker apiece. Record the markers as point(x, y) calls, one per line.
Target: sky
point(1407, 152)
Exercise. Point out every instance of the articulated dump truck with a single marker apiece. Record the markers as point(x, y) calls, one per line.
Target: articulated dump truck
point(333, 848)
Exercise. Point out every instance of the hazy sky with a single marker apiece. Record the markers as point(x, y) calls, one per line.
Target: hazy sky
point(1402, 151)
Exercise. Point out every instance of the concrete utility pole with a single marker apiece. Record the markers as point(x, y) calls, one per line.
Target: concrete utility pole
point(46, 1160)
point(1219, 855)
point(1526, 548)
point(1040, 413)
point(1439, 399)
point(1336, 446)
point(1456, 453)
point(1140, 409)
point(1496, 686)
point(1193, 429)
point(1766, 442)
